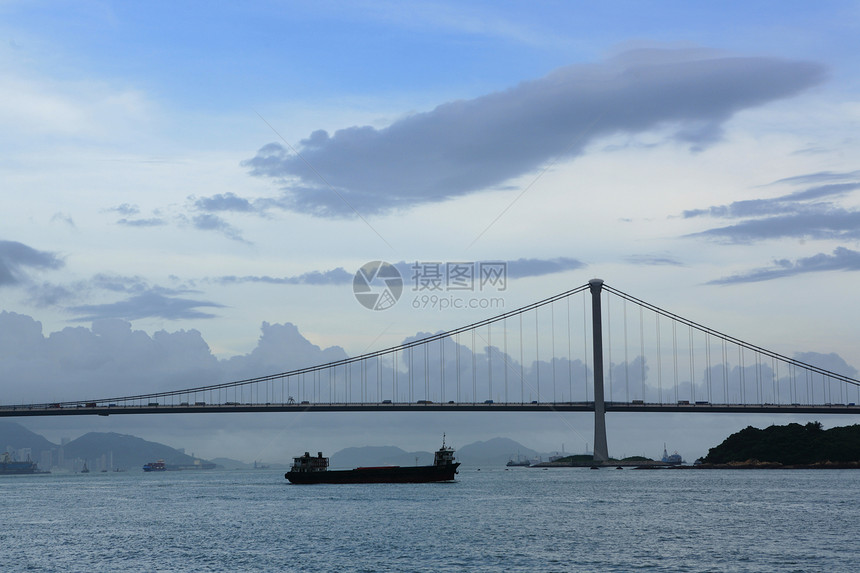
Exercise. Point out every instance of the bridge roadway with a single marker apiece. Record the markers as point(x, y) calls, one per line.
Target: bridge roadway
point(88, 409)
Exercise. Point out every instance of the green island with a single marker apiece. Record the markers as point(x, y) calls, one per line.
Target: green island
point(787, 447)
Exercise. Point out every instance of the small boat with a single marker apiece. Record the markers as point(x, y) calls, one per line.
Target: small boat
point(158, 466)
point(85, 469)
point(307, 469)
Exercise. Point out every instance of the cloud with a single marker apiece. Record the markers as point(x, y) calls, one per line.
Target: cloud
point(332, 277)
point(112, 359)
point(209, 222)
point(522, 268)
point(519, 268)
point(774, 206)
point(16, 257)
point(142, 300)
point(820, 177)
point(813, 223)
point(223, 202)
point(832, 362)
point(152, 222)
point(145, 305)
point(842, 259)
point(466, 146)
point(811, 213)
point(126, 209)
point(653, 260)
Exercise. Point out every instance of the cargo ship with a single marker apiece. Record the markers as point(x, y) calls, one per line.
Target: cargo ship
point(307, 469)
point(158, 466)
point(161, 466)
point(9, 466)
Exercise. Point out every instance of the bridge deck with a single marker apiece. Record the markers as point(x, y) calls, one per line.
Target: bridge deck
point(107, 410)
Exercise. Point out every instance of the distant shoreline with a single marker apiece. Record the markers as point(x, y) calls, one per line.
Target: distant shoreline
point(757, 465)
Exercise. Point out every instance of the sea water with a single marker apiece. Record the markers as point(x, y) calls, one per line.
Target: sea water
point(492, 519)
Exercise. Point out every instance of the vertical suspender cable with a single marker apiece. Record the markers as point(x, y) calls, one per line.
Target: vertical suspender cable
point(585, 342)
point(522, 366)
point(505, 336)
point(490, 360)
point(626, 358)
point(569, 354)
point(537, 356)
point(474, 370)
point(642, 352)
point(659, 362)
point(552, 338)
point(442, 366)
point(609, 340)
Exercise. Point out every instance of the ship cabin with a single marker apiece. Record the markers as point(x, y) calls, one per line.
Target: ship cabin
point(306, 463)
point(444, 456)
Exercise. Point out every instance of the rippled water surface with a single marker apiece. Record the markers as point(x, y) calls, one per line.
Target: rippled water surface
point(490, 520)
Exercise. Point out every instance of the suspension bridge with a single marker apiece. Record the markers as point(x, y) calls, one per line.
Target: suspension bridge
point(589, 349)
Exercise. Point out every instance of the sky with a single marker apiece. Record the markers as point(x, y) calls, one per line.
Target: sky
point(188, 190)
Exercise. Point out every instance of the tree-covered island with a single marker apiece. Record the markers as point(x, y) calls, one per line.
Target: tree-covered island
point(790, 446)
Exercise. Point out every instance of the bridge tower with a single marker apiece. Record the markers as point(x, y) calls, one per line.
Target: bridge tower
point(601, 450)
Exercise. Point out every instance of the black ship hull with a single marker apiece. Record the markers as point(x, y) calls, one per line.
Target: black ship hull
point(387, 474)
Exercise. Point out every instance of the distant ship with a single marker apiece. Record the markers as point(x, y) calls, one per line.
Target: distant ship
point(675, 459)
point(524, 462)
point(307, 469)
point(158, 466)
point(8, 466)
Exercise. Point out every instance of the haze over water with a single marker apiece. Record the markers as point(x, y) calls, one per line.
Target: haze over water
point(489, 520)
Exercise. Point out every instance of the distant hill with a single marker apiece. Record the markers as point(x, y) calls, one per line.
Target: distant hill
point(16, 436)
point(231, 464)
point(789, 445)
point(128, 452)
point(100, 449)
point(494, 452)
point(103, 449)
point(378, 456)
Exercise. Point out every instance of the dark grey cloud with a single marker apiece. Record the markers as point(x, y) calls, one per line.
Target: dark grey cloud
point(334, 276)
point(653, 260)
point(810, 213)
point(140, 299)
point(820, 177)
point(842, 259)
point(126, 209)
point(790, 203)
point(16, 258)
point(223, 202)
point(519, 268)
point(145, 305)
point(151, 222)
point(210, 222)
point(814, 222)
point(522, 268)
point(130, 217)
point(466, 146)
